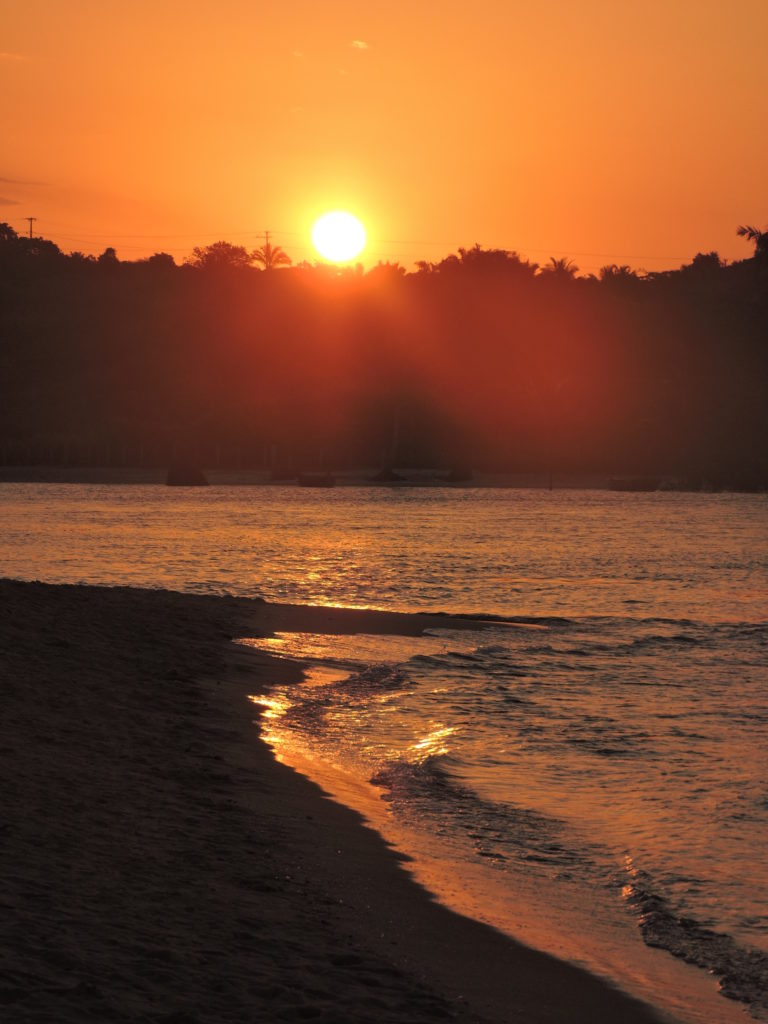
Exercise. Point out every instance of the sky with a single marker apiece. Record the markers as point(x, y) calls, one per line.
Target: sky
point(603, 130)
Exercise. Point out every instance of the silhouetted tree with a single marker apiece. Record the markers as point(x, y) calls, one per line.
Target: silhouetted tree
point(704, 265)
point(219, 256)
point(78, 257)
point(386, 271)
point(614, 272)
point(563, 268)
point(481, 263)
point(161, 259)
point(483, 359)
point(496, 261)
point(271, 256)
point(108, 257)
point(39, 249)
point(444, 266)
point(757, 237)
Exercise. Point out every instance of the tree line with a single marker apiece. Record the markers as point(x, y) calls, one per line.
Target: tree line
point(482, 359)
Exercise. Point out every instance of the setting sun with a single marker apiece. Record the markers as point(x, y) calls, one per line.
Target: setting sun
point(338, 236)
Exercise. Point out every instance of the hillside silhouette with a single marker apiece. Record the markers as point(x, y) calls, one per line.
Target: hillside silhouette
point(482, 359)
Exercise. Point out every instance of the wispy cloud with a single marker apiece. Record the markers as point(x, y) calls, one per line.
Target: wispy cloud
point(359, 44)
point(7, 55)
point(19, 181)
point(5, 201)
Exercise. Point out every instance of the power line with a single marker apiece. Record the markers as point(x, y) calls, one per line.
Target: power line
point(89, 238)
point(256, 233)
point(252, 232)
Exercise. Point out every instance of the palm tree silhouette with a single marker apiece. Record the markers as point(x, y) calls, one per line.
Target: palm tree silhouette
point(271, 256)
point(560, 268)
point(757, 237)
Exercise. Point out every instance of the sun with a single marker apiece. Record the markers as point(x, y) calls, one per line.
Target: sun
point(338, 236)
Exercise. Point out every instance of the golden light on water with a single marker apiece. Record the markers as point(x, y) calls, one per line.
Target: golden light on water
point(274, 707)
point(330, 659)
point(434, 743)
point(628, 889)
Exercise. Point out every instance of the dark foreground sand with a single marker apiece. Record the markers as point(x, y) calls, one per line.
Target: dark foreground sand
point(157, 865)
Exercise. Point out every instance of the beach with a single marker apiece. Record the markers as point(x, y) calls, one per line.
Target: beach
point(160, 865)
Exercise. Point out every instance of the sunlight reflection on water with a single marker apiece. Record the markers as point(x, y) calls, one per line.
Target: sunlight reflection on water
point(496, 551)
point(620, 739)
point(594, 762)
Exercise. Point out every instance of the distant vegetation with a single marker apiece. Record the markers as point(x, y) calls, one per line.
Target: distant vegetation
point(482, 359)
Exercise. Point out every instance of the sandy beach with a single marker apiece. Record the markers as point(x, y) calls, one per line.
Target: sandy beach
point(159, 865)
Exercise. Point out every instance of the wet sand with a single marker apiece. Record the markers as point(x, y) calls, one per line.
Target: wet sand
point(158, 865)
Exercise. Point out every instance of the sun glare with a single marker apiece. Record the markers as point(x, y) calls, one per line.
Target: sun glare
point(338, 236)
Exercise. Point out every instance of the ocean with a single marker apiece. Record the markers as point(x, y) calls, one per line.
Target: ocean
point(589, 772)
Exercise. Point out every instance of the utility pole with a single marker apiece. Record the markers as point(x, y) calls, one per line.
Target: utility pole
point(31, 222)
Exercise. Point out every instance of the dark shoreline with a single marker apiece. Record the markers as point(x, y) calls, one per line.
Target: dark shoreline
point(123, 475)
point(159, 865)
point(127, 475)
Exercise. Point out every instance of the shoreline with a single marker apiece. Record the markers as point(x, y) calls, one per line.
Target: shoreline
point(429, 479)
point(162, 865)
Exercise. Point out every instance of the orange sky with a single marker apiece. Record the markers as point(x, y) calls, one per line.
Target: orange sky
point(605, 130)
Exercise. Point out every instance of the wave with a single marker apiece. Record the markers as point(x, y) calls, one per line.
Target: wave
point(742, 972)
point(479, 673)
point(515, 620)
point(420, 789)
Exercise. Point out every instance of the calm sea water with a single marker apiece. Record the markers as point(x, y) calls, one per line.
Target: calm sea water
point(590, 774)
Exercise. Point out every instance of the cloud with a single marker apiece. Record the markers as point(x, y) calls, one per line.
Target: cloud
point(4, 201)
point(359, 44)
point(19, 181)
point(5, 55)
